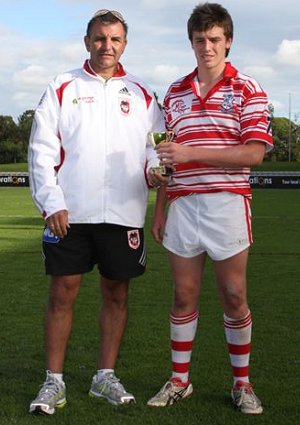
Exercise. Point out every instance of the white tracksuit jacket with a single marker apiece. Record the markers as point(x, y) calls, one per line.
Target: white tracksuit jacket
point(89, 149)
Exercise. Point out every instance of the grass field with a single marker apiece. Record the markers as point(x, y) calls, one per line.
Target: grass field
point(144, 361)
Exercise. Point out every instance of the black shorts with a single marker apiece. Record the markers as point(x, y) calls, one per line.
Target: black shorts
point(118, 251)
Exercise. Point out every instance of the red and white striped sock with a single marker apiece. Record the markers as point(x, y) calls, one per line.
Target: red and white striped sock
point(183, 331)
point(238, 337)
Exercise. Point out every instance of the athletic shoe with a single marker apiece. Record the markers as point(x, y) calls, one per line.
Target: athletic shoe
point(173, 391)
point(51, 395)
point(110, 388)
point(245, 400)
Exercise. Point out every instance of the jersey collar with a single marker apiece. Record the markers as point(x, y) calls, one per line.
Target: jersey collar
point(88, 68)
point(229, 72)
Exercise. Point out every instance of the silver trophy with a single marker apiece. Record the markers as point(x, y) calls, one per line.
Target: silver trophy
point(157, 138)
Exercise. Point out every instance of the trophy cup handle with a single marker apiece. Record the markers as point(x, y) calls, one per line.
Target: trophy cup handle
point(170, 136)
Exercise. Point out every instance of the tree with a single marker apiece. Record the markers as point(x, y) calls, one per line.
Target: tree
point(8, 128)
point(24, 124)
point(295, 136)
point(284, 132)
point(14, 137)
point(11, 152)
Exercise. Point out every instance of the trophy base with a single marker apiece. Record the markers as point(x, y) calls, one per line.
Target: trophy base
point(163, 170)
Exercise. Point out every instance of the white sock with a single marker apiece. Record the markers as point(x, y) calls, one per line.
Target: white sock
point(58, 376)
point(102, 372)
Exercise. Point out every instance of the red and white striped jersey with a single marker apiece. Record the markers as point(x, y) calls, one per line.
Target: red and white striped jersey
point(234, 112)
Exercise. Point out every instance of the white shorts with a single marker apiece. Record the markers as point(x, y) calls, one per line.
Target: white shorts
point(216, 223)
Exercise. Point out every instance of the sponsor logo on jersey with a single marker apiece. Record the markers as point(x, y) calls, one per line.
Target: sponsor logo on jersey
point(133, 238)
point(125, 106)
point(84, 99)
point(228, 102)
point(124, 90)
point(49, 236)
point(179, 107)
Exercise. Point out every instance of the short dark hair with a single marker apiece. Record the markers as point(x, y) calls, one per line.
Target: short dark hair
point(106, 17)
point(207, 15)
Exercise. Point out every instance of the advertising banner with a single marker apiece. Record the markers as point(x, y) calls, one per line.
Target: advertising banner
point(258, 180)
point(275, 180)
point(14, 179)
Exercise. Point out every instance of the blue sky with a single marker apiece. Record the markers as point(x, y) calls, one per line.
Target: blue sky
point(40, 39)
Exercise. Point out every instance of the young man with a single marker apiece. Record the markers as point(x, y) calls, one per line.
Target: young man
point(89, 155)
point(221, 121)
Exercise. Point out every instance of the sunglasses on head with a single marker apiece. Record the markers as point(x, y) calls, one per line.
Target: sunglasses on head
point(103, 12)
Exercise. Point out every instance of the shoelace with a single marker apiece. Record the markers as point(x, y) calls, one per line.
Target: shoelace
point(50, 388)
point(247, 394)
point(113, 380)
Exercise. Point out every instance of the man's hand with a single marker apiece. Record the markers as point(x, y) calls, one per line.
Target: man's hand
point(157, 180)
point(58, 223)
point(158, 227)
point(173, 153)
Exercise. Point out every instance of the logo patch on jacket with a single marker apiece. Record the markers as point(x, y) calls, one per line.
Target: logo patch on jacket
point(133, 238)
point(83, 99)
point(125, 106)
point(49, 236)
point(124, 90)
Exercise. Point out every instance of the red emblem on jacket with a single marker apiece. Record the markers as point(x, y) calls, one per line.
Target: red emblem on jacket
point(125, 106)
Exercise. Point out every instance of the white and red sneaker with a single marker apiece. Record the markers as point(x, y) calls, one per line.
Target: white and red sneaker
point(173, 391)
point(245, 400)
